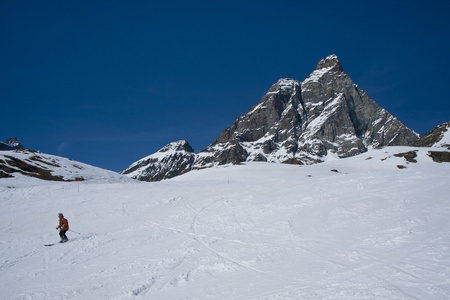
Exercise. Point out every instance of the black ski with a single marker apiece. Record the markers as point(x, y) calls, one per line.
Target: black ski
point(48, 245)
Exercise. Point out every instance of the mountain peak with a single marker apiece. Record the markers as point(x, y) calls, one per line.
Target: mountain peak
point(294, 122)
point(181, 145)
point(331, 62)
point(174, 159)
point(11, 144)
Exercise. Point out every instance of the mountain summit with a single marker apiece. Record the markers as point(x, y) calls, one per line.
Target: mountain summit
point(10, 144)
point(331, 62)
point(172, 160)
point(303, 122)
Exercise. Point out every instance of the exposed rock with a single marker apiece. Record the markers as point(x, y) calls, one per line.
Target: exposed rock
point(440, 156)
point(435, 138)
point(409, 156)
point(325, 114)
point(293, 161)
point(29, 163)
point(15, 165)
point(295, 122)
point(10, 144)
point(172, 160)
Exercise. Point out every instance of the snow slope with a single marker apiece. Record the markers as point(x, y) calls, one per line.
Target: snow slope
point(355, 228)
point(23, 163)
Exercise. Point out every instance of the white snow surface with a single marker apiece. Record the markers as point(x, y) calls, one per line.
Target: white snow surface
point(366, 230)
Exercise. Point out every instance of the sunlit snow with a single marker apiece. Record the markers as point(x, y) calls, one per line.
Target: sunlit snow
point(355, 228)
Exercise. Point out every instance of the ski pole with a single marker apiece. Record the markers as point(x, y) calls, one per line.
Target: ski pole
point(74, 231)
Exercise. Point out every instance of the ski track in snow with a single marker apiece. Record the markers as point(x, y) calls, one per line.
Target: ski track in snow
point(260, 231)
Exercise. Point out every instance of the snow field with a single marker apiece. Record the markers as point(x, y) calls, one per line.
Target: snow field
point(367, 230)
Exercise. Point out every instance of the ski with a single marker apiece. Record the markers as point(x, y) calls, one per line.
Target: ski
point(48, 245)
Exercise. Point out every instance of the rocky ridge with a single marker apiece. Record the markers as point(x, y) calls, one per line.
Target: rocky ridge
point(438, 137)
point(305, 121)
point(172, 160)
point(10, 144)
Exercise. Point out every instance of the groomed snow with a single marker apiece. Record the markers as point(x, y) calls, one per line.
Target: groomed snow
point(355, 228)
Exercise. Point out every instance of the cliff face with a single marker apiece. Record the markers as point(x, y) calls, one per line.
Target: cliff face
point(172, 160)
point(305, 121)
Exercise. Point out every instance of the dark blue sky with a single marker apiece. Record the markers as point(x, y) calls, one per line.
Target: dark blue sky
point(109, 82)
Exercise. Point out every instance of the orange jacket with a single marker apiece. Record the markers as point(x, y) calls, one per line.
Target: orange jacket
point(63, 224)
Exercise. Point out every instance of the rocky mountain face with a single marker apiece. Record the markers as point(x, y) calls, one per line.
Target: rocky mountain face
point(172, 160)
point(439, 140)
point(438, 137)
point(10, 144)
point(304, 121)
point(295, 122)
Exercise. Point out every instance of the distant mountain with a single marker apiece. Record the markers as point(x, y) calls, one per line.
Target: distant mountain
point(10, 144)
point(305, 121)
point(438, 137)
point(172, 160)
point(295, 122)
point(28, 163)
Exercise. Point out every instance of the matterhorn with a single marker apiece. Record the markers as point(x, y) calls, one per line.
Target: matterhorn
point(326, 114)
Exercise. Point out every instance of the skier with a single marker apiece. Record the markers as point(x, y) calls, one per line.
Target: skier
point(63, 227)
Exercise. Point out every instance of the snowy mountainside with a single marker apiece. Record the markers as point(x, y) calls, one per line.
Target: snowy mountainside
point(10, 144)
point(444, 142)
point(325, 113)
point(172, 160)
point(438, 137)
point(372, 226)
point(19, 163)
point(295, 122)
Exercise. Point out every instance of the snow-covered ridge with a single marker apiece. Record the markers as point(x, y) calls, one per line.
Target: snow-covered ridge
point(17, 164)
point(10, 144)
point(287, 84)
point(445, 140)
point(438, 137)
point(168, 150)
point(315, 76)
point(172, 160)
point(330, 64)
point(330, 61)
point(443, 137)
